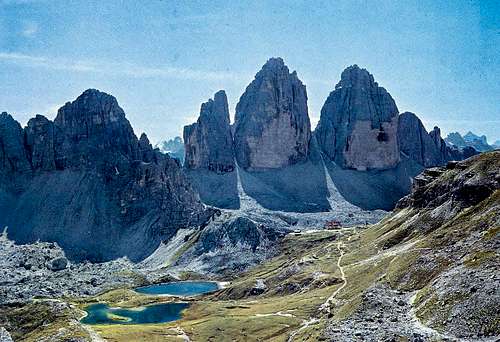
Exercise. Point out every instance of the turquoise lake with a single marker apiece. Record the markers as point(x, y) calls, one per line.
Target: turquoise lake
point(179, 288)
point(159, 313)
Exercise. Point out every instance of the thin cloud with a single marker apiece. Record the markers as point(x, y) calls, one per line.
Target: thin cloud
point(117, 69)
point(19, 2)
point(30, 29)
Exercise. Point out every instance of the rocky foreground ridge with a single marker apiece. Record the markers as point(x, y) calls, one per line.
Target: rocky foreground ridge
point(86, 181)
point(427, 272)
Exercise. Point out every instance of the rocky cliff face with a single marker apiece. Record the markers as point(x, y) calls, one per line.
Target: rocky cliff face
point(427, 149)
point(87, 182)
point(13, 157)
point(94, 122)
point(41, 138)
point(208, 142)
point(272, 127)
point(358, 124)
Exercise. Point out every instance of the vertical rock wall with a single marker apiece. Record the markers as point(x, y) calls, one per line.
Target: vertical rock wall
point(272, 127)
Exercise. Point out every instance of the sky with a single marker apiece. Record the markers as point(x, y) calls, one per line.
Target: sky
point(162, 59)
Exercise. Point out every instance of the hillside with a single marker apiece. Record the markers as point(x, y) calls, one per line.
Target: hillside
point(429, 271)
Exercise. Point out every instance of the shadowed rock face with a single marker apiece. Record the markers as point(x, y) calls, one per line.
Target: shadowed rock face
point(13, 157)
point(358, 123)
point(94, 123)
point(427, 149)
point(41, 138)
point(272, 127)
point(87, 182)
point(208, 142)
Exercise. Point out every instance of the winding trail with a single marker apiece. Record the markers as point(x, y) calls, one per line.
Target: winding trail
point(304, 325)
point(325, 307)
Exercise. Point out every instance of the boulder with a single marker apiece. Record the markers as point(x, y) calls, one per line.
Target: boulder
point(358, 123)
point(58, 264)
point(209, 142)
point(5, 336)
point(272, 127)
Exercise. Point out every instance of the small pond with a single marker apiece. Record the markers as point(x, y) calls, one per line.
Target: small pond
point(179, 288)
point(159, 313)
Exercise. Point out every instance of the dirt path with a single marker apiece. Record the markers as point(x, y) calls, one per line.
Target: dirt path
point(304, 325)
point(325, 307)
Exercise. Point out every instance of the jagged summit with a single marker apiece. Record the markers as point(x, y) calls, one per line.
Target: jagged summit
point(427, 149)
point(358, 123)
point(209, 142)
point(95, 121)
point(87, 182)
point(354, 76)
point(272, 127)
point(90, 102)
point(218, 107)
point(274, 63)
point(13, 157)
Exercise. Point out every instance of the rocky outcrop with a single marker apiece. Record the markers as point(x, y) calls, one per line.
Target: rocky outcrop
point(427, 149)
point(90, 184)
point(208, 142)
point(272, 127)
point(238, 231)
point(358, 123)
point(41, 138)
point(5, 336)
point(13, 157)
point(468, 187)
point(146, 151)
point(94, 123)
point(41, 270)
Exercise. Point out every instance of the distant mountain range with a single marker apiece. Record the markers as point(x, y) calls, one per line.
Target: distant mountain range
point(174, 147)
point(479, 143)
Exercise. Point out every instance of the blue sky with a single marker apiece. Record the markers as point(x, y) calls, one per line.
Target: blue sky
point(161, 59)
